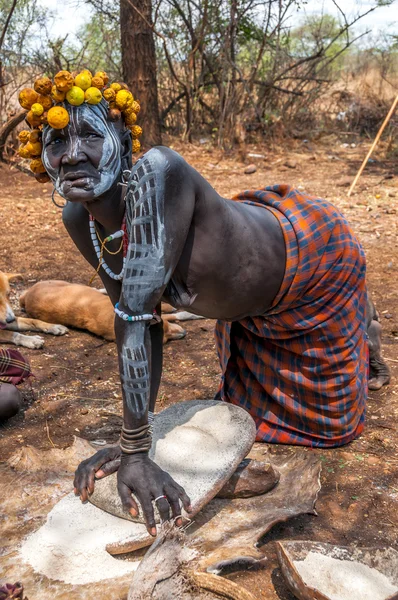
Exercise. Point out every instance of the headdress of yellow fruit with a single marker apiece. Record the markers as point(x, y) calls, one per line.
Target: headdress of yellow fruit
point(46, 104)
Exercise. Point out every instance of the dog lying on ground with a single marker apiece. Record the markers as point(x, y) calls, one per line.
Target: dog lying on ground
point(50, 302)
point(12, 326)
point(87, 308)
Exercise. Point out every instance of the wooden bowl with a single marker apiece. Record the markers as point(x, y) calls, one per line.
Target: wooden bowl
point(317, 571)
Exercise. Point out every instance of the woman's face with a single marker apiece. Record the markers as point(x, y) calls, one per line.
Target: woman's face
point(83, 159)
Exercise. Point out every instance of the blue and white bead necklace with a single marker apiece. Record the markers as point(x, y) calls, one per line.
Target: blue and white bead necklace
point(99, 250)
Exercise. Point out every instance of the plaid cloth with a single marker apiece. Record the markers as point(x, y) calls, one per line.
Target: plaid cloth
point(14, 368)
point(301, 369)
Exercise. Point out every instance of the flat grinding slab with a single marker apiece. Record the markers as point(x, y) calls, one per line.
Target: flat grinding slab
point(199, 443)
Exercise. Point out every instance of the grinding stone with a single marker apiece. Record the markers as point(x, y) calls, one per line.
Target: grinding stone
point(199, 443)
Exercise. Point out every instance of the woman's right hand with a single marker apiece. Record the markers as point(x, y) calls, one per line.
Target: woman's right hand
point(102, 463)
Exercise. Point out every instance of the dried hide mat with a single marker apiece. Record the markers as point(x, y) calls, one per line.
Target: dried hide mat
point(222, 531)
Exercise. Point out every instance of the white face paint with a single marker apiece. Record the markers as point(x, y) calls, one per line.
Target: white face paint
point(90, 144)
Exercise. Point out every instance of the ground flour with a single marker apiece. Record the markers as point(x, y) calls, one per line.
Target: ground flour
point(70, 546)
point(343, 579)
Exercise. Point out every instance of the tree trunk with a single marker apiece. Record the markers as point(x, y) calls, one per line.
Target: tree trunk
point(139, 64)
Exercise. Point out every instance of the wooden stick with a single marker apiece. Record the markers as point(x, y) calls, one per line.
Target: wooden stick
point(388, 117)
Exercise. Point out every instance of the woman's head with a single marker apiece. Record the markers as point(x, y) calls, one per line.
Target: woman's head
point(85, 159)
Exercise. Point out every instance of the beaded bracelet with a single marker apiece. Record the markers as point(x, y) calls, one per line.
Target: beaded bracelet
point(130, 318)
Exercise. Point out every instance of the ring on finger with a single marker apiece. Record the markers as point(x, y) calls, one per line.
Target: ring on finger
point(160, 498)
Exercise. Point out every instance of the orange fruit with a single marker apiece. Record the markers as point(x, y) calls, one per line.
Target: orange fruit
point(27, 97)
point(83, 80)
point(103, 76)
point(75, 96)
point(23, 152)
point(56, 95)
point(37, 109)
point(136, 130)
point(97, 82)
point(130, 119)
point(122, 99)
point(43, 85)
point(34, 135)
point(33, 120)
point(114, 114)
point(34, 148)
point(63, 81)
point(45, 101)
point(116, 86)
point(110, 95)
point(58, 117)
point(42, 177)
point(136, 146)
point(93, 95)
point(23, 136)
point(37, 166)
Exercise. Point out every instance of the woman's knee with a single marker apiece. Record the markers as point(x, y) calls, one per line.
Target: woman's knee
point(10, 401)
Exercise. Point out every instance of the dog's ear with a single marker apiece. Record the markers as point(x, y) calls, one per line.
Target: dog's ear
point(12, 276)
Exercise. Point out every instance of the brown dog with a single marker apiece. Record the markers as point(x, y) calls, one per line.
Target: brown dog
point(82, 307)
point(12, 326)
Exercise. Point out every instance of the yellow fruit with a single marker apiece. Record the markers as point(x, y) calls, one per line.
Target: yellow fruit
point(136, 130)
point(33, 120)
point(43, 85)
point(37, 109)
point(27, 97)
point(89, 73)
point(116, 86)
point(23, 136)
point(75, 96)
point(83, 80)
point(130, 119)
point(45, 101)
point(34, 148)
point(42, 177)
point(97, 82)
point(122, 98)
point(58, 117)
point(56, 95)
point(103, 76)
point(136, 146)
point(23, 152)
point(93, 95)
point(35, 135)
point(37, 166)
point(63, 81)
point(110, 95)
point(136, 106)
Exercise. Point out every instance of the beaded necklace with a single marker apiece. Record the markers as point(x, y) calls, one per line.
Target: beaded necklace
point(99, 250)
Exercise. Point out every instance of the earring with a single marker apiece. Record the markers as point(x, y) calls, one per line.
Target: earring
point(54, 201)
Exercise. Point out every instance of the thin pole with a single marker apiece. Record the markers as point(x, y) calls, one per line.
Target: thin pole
point(388, 117)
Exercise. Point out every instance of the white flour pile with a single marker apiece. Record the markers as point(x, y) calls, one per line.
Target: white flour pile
point(70, 546)
point(343, 579)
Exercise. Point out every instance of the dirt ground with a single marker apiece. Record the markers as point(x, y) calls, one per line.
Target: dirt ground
point(76, 388)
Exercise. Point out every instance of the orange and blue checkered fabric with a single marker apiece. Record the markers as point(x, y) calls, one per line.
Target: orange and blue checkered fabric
point(301, 369)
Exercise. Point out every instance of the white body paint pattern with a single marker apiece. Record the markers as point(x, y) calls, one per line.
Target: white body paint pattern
point(97, 116)
point(145, 269)
point(134, 373)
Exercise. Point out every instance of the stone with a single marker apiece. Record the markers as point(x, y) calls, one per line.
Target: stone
point(290, 164)
point(199, 443)
point(250, 169)
point(251, 478)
